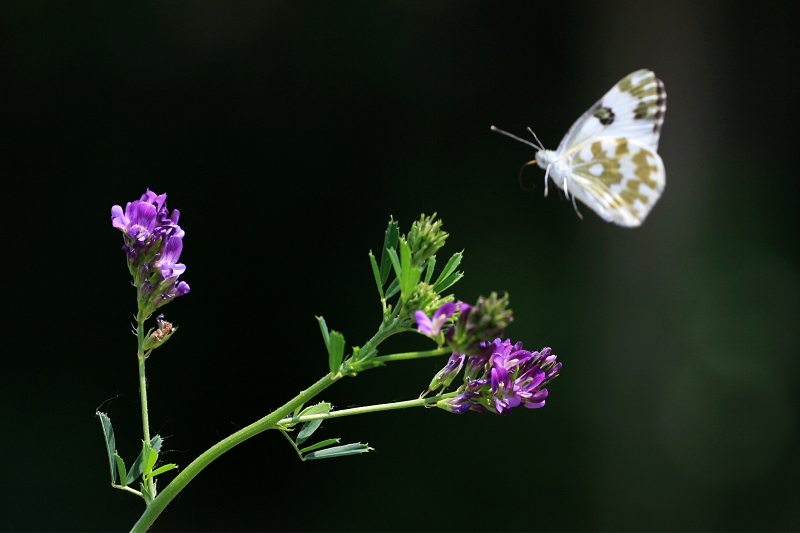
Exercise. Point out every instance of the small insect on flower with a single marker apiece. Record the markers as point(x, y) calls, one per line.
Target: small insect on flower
point(164, 328)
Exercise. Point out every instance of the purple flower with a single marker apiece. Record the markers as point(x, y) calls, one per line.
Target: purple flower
point(510, 377)
point(153, 245)
point(445, 376)
point(433, 326)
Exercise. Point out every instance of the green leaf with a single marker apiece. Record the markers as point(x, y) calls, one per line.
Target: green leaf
point(389, 243)
point(429, 269)
point(334, 342)
point(377, 273)
point(317, 408)
point(336, 352)
point(156, 443)
point(449, 268)
point(148, 496)
point(164, 468)
point(322, 407)
point(396, 263)
point(323, 327)
point(394, 288)
point(339, 451)
point(449, 282)
point(123, 473)
point(111, 444)
point(136, 467)
point(410, 274)
point(307, 430)
point(319, 445)
point(150, 461)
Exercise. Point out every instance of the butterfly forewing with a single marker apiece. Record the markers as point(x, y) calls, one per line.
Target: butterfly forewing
point(633, 108)
point(618, 177)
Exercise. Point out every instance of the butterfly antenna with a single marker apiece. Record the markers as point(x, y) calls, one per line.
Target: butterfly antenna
point(520, 139)
point(541, 146)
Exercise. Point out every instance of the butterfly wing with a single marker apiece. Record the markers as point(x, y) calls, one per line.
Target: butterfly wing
point(634, 108)
point(619, 178)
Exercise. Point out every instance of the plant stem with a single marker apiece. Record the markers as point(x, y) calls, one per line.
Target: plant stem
point(156, 506)
point(140, 318)
point(419, 402)
point(412, 355)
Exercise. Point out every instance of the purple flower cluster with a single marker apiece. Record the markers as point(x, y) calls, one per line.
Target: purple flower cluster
point(153, 245)
point(498, 375)
point(510, 377)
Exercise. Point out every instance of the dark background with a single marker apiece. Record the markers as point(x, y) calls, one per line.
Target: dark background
point(287, 134)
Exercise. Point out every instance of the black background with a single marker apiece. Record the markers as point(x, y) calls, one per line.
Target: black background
point(287, 134)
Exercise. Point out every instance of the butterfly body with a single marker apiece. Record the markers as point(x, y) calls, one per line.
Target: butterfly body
point(609, 158)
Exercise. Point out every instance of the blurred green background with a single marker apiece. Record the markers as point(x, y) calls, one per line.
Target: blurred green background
point(288, 133)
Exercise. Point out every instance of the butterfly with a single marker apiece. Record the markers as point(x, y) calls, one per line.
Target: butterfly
point(608, 159)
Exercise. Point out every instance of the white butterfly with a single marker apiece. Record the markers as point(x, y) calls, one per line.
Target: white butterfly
point(608, 158)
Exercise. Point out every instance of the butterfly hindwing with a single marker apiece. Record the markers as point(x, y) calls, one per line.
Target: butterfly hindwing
point(634, 108)
point(617, 177)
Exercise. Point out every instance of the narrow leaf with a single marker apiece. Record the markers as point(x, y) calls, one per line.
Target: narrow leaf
point(429, 269)
point(322, 407)
point(123, 473)
point(307, 430)
point(394, 288)
point(405, 255)
point(449, 268)
point(376, 273)
point(411, 281)
point(148, 496)
point(389, 243)
point(111, 444)
point(136, 469)
point(339, 451)
point(410, 274)
point(319, 445)
point(156, 443)
point(335, 351)
point(395, 262)
point(323, 327)
point(150, 462)
point(164, 468)
point(449, 282)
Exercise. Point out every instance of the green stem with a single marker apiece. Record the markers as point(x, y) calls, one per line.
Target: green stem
point(412, 355)
point(156, 506)
point(419, 402)
point(140, 318)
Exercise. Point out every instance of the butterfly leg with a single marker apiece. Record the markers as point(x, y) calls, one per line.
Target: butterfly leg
point(546, 174)
point(575, 206)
